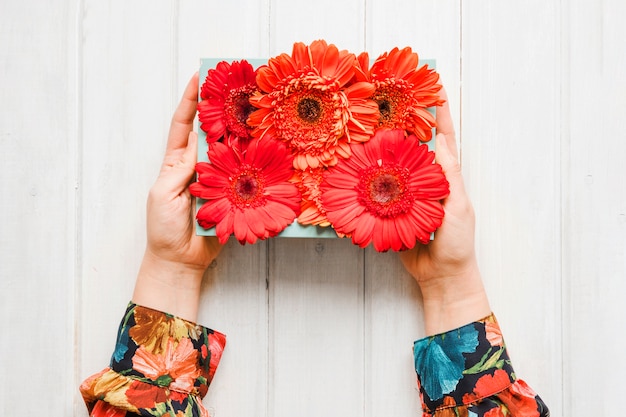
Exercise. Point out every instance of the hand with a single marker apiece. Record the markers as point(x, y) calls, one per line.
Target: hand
point(446, 269)
point(175, 258)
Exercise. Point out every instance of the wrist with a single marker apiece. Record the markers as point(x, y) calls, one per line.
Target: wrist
point(169, 286)
point(454, 301)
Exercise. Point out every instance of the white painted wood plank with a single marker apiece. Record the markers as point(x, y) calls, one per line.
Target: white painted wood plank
point(127, 103)
point(316, 327)
point(594, 206)
point(510, 120)
point(393, 321)
point(338, 22)
point(37, 200)
point(234, 302)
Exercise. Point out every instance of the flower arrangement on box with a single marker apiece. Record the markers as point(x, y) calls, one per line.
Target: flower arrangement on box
point(321, 137)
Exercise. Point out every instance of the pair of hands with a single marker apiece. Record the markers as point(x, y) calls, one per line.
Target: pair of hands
point(176, 258)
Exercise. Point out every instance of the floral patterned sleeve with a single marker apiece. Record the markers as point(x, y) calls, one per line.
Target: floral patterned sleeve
point(466, 372)
point(162, 365)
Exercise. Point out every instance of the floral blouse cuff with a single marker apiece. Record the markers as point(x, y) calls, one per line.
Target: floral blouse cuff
point(467, 372)
point(162, 365)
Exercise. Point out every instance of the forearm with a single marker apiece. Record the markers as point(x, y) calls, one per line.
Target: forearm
point(169, 286)
point(454, 301)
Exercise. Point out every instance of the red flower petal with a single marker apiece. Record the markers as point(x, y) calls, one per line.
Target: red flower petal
point(225, 105)
point(387, 193)
point(247, 191)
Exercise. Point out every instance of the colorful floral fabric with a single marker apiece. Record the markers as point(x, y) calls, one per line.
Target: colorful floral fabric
point(467, 372)
point(162, 365)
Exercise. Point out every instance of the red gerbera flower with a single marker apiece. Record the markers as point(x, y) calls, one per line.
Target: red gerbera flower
point(403, 91)
point(225, 104)
point(248, 191)
point(306, 103)
point(387, 193)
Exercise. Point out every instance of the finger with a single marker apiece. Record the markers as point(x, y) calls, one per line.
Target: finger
point(449, 163)
point(176, 179)
point(445, 124)
point(182, 121)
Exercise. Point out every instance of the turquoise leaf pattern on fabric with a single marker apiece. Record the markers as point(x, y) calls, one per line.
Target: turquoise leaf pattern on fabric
point(439, 360)
point(122, 344)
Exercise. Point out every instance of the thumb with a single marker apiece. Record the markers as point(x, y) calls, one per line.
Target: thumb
point(450, 166)
point(179, 175)
point(447, 160)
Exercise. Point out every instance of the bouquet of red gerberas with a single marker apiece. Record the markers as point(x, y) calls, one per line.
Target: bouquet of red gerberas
point(322, 138)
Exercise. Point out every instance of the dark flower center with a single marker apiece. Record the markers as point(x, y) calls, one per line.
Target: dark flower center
point(309, 110)
point(390, 103)
point(242, 107)
point(237, 109)
point(384, 188)
point(384, 106)
point(246, 187)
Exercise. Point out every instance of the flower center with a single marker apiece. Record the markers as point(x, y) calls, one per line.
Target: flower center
point(310, 115)
point(384, 107)
point(247, 188)
point(383, 190)
point(238, 108)
point(309, 110)
point(392, 103)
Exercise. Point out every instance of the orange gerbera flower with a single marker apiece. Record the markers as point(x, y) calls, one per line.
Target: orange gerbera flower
point(403, 91)
point(306, 102)
point(247, 190)
point(225, 104)
point(387, 193)
point(312, 211)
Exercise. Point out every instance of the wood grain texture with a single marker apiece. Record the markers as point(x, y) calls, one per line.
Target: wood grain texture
point(594, 205)
point(38, 141)
point(510, 146)
point(315, 327)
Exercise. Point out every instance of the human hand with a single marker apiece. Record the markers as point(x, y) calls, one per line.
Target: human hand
point(446, 268)
point(175, 258)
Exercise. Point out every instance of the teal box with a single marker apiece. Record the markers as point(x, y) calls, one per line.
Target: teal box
point(295, 229)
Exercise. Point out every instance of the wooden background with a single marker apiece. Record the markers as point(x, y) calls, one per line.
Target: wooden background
point(315, 327)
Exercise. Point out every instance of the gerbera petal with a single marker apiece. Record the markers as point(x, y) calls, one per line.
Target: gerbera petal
point(225, 104)
point(254, 222)
point(362, 68)
point(301, 57)
point(307, 107)
point(363, 231)
point(403, 226)
point(377, 195)
point(240, 226)
point(325, 58)
point(266, 79)
point(224, 228)
point(247, 190)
